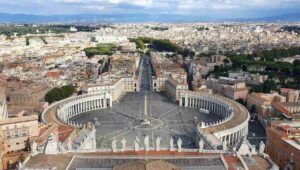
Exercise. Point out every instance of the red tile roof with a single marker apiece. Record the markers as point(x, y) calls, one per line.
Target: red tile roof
point(64, 132)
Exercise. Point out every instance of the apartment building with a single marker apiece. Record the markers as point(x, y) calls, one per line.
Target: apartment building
point(283, 145)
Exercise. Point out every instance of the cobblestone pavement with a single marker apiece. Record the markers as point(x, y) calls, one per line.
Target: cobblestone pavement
point(124, 119)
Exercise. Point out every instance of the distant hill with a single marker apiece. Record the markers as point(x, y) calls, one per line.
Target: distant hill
point(284, 17)
point(292, 17)
point(27, 18)
point(88, 18)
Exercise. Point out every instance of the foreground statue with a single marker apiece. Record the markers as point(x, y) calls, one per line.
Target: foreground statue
point(123, 141)
point(114, 145)
point(179, 143)
point(157, 144)
point(201, 145)
point(136, 144)
point(171, 144)
point(146, 142)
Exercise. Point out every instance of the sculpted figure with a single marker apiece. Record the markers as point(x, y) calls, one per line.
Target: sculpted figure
point(179, 143)
point(201, 145)
point(136, 144)
point(146, 142)
point(114, 145)
point(157, 143)
point(123, 141)
point(171, 144)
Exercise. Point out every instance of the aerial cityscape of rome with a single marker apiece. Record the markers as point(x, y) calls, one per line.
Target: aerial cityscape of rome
point(150, 85)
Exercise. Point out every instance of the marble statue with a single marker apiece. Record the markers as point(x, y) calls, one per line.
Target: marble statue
point(262, 147)
point(123, 141)
point(202, 124)
point(34, 148)
point(224, 144)
point(253, 149)
point(195, 119)
point(20, 166)
point(114, 145)
point(157, 143)
point(171, 144)
point(51, 147)
point(69, 144)
point(234, 149)
point(146, 142)
point(136, 144)
point(179, 143)
point(245, 148)
point(201, 145)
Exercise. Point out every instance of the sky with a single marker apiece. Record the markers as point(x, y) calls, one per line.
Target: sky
point(209, 8)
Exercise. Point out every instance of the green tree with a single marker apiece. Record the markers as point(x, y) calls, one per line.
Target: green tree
point(296, 63)
point(57, 94)
point(226, 61)
point(269, 85)
point(140, 44)
point(101, 49)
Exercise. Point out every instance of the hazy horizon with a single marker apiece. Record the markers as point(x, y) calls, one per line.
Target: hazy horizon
point(221, 9)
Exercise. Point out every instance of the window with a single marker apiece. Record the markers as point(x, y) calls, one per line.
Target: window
point(24, 132)
point(8, 135)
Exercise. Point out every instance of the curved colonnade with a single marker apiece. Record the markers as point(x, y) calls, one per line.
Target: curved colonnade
point(68, 108)
point(235, 117)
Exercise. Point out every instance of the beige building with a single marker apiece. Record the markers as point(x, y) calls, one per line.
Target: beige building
point(237, 91)
point(120, 78)
point(290, 94)
point(229, 87)
point(169, 76)
point(290, 110)
point(15, 132)
point(31, 93)
point(261, 102)
point(175, 86)
point(283, 145)
point(116, 88)
point(27, 96)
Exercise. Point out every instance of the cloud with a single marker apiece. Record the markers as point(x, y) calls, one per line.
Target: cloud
point(143, 3)
point(191, 4)
point(193, 7)
point(95, 8)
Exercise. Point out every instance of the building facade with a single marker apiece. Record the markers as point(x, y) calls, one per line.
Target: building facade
point(290, 110)
point(168, 77)
point(283, 145)
point(261, 102)
point(116, 89)
point(16, 132)
point(290, 94)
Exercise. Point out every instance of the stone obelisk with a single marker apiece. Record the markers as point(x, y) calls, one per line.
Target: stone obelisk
point(146, 121)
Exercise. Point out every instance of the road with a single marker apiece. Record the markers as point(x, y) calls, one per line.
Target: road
point(145, 73)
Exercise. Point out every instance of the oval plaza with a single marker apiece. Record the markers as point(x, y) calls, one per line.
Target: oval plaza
point(153, 110)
